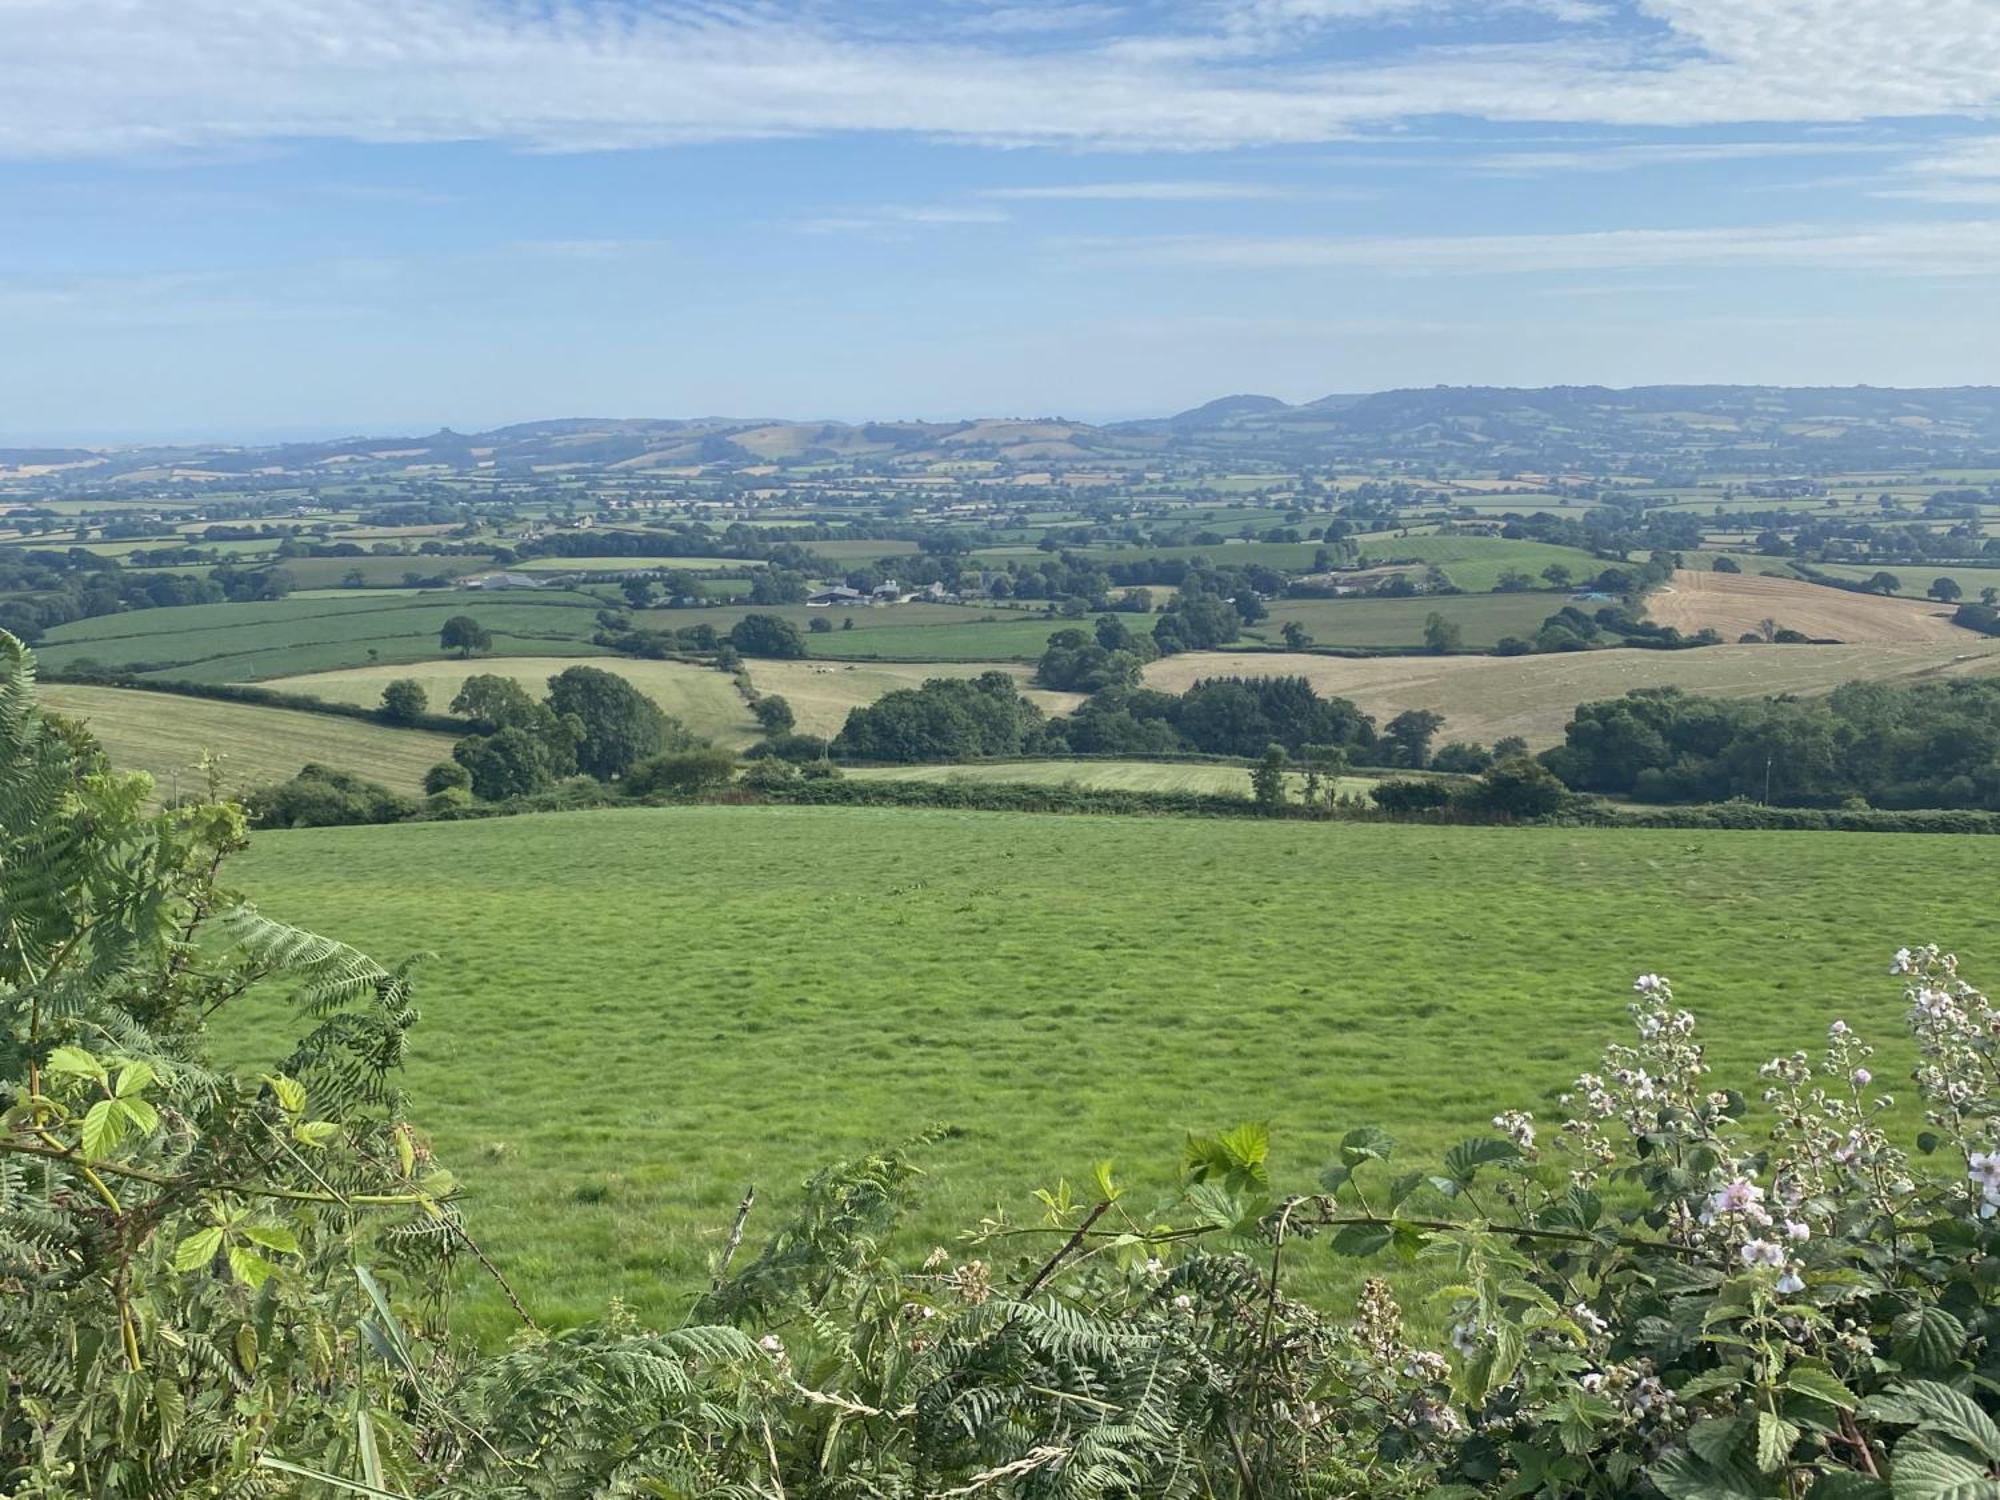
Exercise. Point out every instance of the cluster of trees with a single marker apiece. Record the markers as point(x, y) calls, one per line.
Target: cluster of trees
point(41, 589)
point(592, 723)
point(1926, 745)
point(945, 719)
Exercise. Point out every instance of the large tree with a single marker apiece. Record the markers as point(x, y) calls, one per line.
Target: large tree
point(620, 724)
point(767, 635)
point(465, 635)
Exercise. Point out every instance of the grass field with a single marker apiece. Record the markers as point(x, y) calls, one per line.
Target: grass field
point(701, 698)
point(1102, 775)
point(769, 988)
point(822, 694)
point(1485, 619)
point(906, 632)
point(166, 735)
point(1916, 578)
point(377, 572)
point(1487, 697)
point(251, 642)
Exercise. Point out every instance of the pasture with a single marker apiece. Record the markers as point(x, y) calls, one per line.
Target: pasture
point(1485, 619)
point(1488, 697)
point(700, 697)
point(282, 638)
point(770, 988)
point(167, 736)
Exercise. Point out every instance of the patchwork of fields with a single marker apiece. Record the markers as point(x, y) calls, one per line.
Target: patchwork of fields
point(768, 988)
point(167, 736)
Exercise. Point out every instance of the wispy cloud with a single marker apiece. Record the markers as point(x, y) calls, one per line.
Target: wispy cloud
point(1145, 192)
point(1965, 172)
point(897, 221)
point(1966, 248)
point(1629, 155)
point(98, 77)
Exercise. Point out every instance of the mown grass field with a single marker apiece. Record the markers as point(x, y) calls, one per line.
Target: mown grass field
point(1485, 619)
point(633, 1015)
point(282, 638)
point(1102, 775)
point(700, 697)
point(166, 735)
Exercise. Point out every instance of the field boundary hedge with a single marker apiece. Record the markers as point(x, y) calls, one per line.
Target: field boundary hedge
point(256, 697)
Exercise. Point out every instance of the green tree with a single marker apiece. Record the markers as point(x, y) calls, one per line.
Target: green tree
point(1410, 734)
point(639, 592)
point(774, 714)
point(1295, 636)
point(465, 635)
point(1442, 636)
point(619, 724)
point(1557, 576)
point(767, 635)
point(1267, 779)
point(404, 701)
point(821, 625)
point(1883, 583)
point(446, 775)
point(493, 701)
point(1945, 589)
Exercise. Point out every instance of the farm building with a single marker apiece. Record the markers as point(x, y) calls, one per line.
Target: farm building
point(493, 582)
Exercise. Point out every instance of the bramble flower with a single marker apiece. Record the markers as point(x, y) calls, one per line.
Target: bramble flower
point(1791, 1282)
point(1739, 1197)
point(1762, 1253)
point(1184, 1303)
point(1861, 1077)
point(770, 1343)
point(1797, 1231)
point(1650, 984)
point(1519, 1127)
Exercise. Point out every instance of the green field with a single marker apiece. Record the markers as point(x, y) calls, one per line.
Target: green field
point(166, 735)
point(823, 693)
point(903, 632)
point(1484, 618)
point(250, 642)
point(377, 572)
point(700, 697)
point(1916, 577)
point(1476, 562)
point(767, 988)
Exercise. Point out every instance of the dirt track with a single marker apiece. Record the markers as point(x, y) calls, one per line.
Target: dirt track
point(1735, 603)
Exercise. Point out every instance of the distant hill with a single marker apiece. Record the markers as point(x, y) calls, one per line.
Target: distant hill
point(1665, 428)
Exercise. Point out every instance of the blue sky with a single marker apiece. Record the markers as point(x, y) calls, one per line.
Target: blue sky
point(258, 218)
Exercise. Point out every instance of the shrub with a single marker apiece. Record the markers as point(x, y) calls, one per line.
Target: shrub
point(681, 773)
point(775, 714)
point(1403, 797)
point(404, 701)
point(767, 635)
point(446, 775)
point(322, 797)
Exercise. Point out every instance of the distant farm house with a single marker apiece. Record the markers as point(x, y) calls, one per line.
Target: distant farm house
point(826, 598)
point(496, 581)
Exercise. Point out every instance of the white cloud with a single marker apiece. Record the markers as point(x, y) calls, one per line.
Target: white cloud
point(98, 77)
point(896, 221)
point(1965, 171)
point(1967, 248)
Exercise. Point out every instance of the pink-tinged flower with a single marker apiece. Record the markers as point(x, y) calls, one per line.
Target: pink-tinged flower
point(1739, 1197)
point(1762, 1253)
point(1791, 1282)
point(1797, 1230)
point(1862, 1077)
point(1650, 984)
point(1838, 1028)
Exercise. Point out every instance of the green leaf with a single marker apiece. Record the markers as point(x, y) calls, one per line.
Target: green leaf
point(74, 1062)
point(133, 1078)
point(1722, 1378)
point(1924, 1473)
point(1368, 1143)
point(1954, 1414)
point(1775, 1437)
point(249, 1267)
point(1463, 1161)
point(315, 1132)
point(141, 1115)
point(103, 1128)
point(1680, 1475)
point(290, 1092)
point(197, 1250)
point(1100, 1171)
point(1820, 1383)
point(1846, 1484)
point(1716, 1439)
point(277, 1237)
point(1403, 1186)
point(1928, 1339)
point(1363, 1239)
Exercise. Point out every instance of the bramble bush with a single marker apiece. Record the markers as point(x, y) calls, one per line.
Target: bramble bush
point(239, 1284)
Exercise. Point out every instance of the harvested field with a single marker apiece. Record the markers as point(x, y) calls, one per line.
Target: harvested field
point(1488, 697)
point(1734, 603)
point(822, 694)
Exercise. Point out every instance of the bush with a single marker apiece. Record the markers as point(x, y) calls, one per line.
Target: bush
point(681, 773)
point(445, 776)
point(1518, 788)
point(1403, 797)
point(322, 797)
point(770, 774)
point(404, 701)
point(767, 635)
point(775, 714)
point(797, 748)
